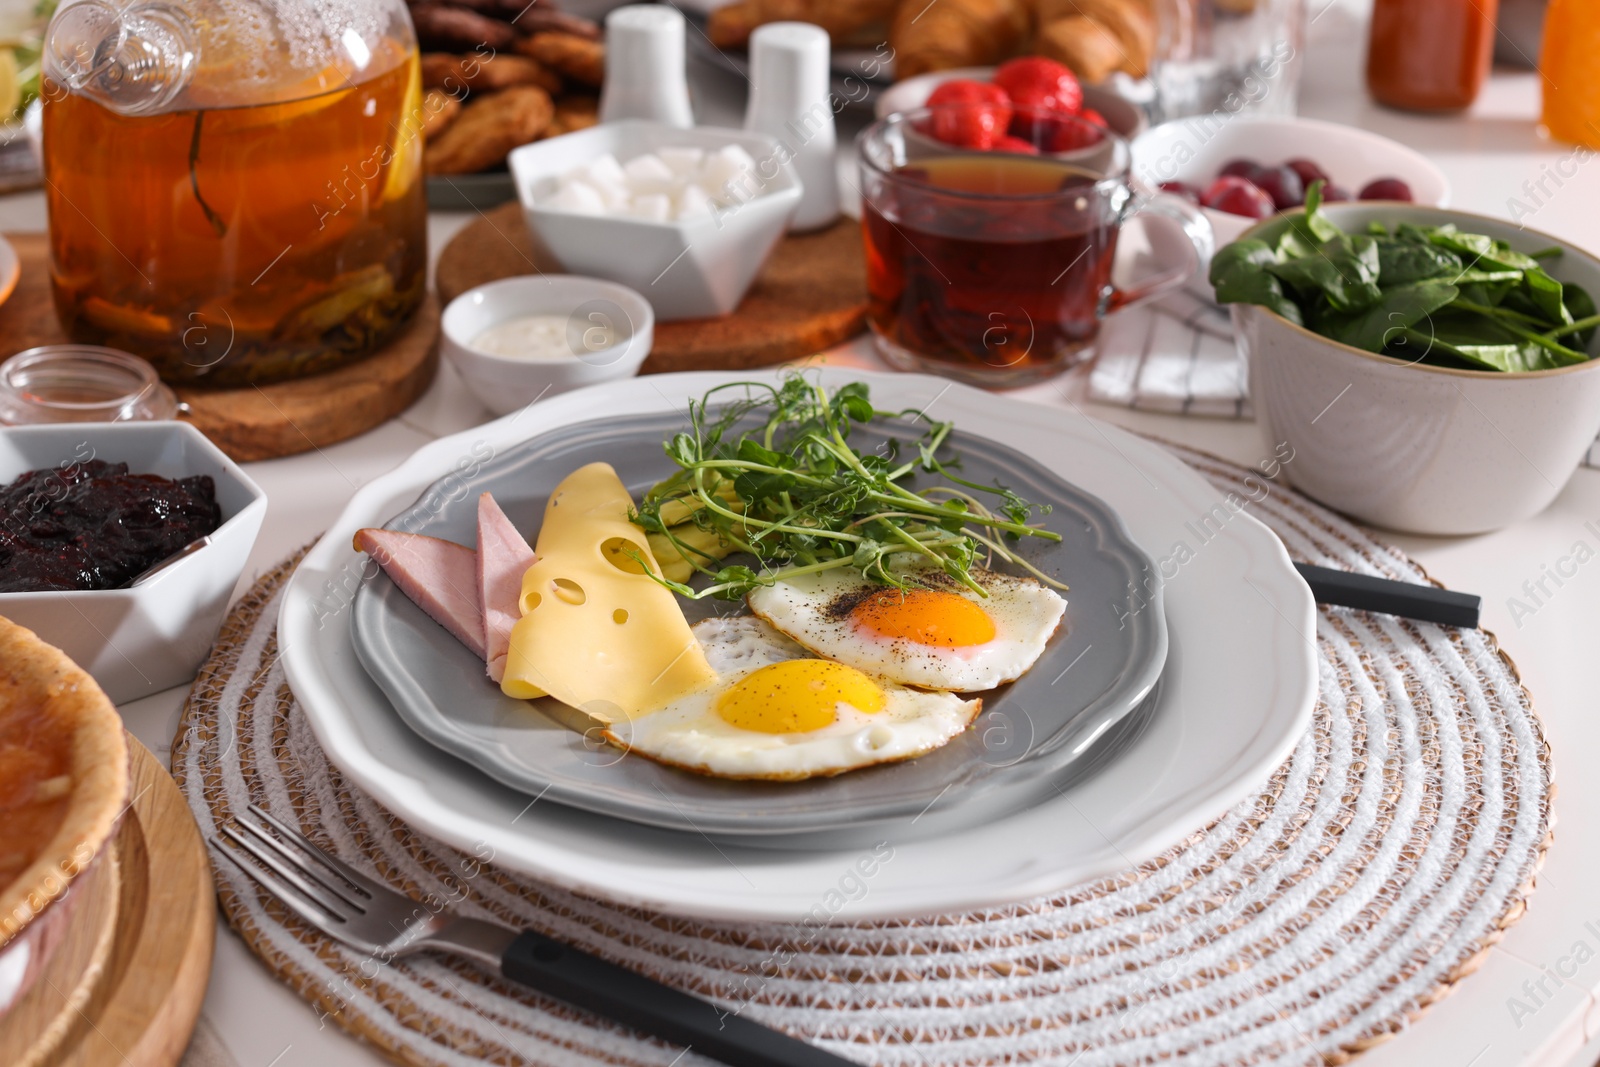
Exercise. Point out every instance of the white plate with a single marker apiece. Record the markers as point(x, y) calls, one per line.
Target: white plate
point(1237, 693)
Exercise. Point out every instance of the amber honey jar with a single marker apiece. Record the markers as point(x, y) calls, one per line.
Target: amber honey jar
point(238, 200)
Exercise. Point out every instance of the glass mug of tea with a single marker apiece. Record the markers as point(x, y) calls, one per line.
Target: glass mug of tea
point(995, 267)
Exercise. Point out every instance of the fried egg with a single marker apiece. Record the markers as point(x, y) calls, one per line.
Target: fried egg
point(938, 634)
point(776, 712)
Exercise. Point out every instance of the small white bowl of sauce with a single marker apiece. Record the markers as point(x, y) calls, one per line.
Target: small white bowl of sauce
point(519, 339)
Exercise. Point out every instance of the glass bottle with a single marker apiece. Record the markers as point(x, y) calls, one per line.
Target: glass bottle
point(1567, 67)
point(1430, 55)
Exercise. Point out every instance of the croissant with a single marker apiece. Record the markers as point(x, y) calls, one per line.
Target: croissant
point(956, 33)
point(731, 26)
point(1096, 38)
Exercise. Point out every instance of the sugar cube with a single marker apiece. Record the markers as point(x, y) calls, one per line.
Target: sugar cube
point(656, 207)
point(604, 170)
point(649, 174)
point(684, 160)
point(578, 197)
point(729, 174)
point(693, 203)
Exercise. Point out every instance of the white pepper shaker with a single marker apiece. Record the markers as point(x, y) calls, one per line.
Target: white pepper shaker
point(791, 101)
point(645, 76)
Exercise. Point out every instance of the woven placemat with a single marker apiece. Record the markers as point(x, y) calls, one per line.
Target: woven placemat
point(1367, 877)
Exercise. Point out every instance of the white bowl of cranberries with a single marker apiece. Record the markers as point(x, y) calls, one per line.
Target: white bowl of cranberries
point(1244, 168)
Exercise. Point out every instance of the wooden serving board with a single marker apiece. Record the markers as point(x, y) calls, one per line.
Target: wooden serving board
point(256, 422)
point(124, 988)
point(811, 295)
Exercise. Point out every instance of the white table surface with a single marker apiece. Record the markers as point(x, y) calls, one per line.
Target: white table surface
point(1489, 154)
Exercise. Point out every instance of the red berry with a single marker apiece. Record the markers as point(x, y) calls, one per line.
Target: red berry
point(1036, 82)
point(969, 113)
point(1014, 144)
point(1183, 189)
point(1386, 189)
point(1069, 133)
point(1283, 185)
point(1238, 196)
point(1089, 114)
point(1307, 170)
point(1241, 168)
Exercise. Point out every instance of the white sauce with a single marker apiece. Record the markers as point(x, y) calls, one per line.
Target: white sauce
point(539, 337)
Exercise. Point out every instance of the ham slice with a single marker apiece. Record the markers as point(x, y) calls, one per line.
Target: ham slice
point(440, 577)
point(503, 557)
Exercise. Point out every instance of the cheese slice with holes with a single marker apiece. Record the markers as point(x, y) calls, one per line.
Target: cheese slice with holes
point(597, 633)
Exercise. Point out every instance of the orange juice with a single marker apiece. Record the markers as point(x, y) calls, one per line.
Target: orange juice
point(1569, 67)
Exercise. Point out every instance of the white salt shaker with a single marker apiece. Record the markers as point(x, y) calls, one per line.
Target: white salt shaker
point(645, 77)
point(791, 102)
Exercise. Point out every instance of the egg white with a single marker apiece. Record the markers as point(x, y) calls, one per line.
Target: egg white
point(691, 734)
point(1025, 614)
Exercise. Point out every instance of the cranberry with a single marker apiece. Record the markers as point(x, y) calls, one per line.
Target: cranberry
point(1238, 196)
point(1387, 189)
point(1283, 185)
point(1056, 132)
point(1183, 189)
point(1015, 144)
point(1241, 168)
point(1308, 171)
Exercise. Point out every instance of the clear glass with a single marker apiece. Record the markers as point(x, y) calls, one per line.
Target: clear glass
point(235, 186)
point(1228, 57)
point(81, 383)
point(990, 267)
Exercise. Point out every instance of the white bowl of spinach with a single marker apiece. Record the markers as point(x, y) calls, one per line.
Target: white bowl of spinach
point(1432, 370)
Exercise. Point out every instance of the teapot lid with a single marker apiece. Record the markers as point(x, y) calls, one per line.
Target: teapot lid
point(145, 57)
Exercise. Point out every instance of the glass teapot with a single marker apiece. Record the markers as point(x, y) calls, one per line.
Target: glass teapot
point(234, 186)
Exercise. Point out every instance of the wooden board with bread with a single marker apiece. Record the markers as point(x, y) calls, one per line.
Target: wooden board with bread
point(1094, 38)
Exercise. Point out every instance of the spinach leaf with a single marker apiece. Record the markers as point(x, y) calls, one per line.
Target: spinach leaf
point(1545, 292)
point(1390, 319)
point(1481, 343)
point(1401, 262)
point(1580, 305)
point(1486, 277)
point(1239, 273)
point(1482, 251)
point(1344, 269)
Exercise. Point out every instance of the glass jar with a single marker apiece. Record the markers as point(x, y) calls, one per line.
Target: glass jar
point(235, 186)
point(81, 383)
point(1430, 55)
point(1227, 57)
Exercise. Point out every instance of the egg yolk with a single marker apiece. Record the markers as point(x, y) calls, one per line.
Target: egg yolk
point(797, 696)
point(926, 616)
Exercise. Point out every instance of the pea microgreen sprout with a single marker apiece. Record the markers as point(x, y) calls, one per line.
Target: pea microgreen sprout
point(769, 470)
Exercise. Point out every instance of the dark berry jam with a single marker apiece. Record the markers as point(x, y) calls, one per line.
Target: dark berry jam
point(92, 525)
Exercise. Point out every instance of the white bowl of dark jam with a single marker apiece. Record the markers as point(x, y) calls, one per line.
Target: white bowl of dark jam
point(101, 505)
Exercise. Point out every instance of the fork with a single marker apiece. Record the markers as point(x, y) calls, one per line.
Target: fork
point(372, 918)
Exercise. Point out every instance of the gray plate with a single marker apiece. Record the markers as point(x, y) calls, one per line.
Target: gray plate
point(1101, 665)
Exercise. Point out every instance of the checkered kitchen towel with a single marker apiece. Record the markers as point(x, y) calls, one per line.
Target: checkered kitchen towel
point(1177, 356)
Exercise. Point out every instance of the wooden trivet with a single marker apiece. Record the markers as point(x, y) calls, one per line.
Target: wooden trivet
point(125, 985)
point(811, 295)
point(256, 422)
